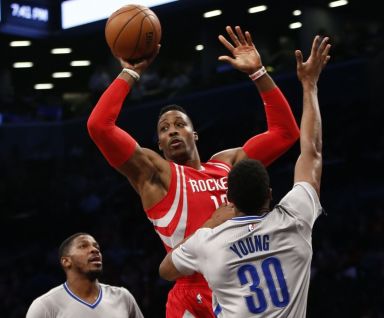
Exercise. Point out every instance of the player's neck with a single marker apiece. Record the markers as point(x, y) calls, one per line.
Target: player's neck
point(193, 162)
point(85, 289)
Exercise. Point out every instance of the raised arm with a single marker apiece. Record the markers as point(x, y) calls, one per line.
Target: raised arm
point(147, 171)
point(282, 130)
point(309, 164)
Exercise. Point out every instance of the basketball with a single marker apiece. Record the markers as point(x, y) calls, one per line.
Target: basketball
point(133, 32)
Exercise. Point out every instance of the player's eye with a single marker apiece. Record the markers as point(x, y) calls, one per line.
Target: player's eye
point(164, 128)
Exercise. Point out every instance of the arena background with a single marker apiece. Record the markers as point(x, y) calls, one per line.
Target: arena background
point(54, 182)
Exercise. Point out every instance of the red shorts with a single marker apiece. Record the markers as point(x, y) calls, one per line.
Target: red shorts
point(190, 297)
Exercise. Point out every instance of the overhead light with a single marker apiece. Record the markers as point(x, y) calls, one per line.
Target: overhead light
point(79, 12)
point(213, 13)
point(43, 86)
point(64, 50)
point(81, 63)
point(61, 74)
point(257, 9)
point(338, 3)
point(296, 13)
point(22, 64)
point(295, 25)
point(19, 43)
point(199, 47)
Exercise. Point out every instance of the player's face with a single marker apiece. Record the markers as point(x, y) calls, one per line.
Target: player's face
point(85, 257)
point(176, 136)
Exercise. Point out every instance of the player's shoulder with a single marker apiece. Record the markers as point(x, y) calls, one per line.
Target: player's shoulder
point(114, 290)
point(301, 202)
point(217, 164)
point(45, 302)
point(304, 190)
point(51, 293)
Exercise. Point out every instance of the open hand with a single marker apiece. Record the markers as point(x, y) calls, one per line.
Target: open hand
point(309, 71)
point(245, 56)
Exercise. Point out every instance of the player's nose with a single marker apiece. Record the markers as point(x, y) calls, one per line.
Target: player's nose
point(172, 132)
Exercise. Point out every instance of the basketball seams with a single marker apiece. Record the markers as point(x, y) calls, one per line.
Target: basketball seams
point(139, 37)
point(125, 25)
point(136, 37)
point(156, 39)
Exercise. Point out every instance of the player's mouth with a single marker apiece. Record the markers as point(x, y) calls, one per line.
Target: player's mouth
point(95, 260)
point(175, 143)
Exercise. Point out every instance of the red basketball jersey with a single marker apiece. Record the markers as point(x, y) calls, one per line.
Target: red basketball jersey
point(192, 197)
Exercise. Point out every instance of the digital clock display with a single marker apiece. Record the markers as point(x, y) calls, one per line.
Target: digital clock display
point(28, 12)
point(29, 17)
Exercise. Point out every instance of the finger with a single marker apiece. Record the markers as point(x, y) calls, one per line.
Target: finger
point(228, 45)
point(323, 45)
point(326, 50)
point(315, 45)
point(326, 60)
point(324, 57)
point(299, 57)
point(124, 63)
point(225, 58)
point(233, 36)
point(248, 38)
point(240, 35)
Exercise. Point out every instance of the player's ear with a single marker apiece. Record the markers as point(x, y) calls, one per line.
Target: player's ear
point(270, 194)
point(65, 262)
point(158, 145)
point(196, 136)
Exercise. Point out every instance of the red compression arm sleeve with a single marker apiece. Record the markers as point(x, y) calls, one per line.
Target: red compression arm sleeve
point(116, 145)
point(282, 130)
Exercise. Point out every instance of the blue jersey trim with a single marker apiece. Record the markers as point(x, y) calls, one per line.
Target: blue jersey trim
point(218, 310)
point(97, 301)
point(249, 217)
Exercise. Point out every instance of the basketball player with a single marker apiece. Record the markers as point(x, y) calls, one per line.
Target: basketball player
point(82, 295)
point(258, 262)
point(179, 192)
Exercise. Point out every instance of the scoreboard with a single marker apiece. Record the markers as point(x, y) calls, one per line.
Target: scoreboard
point(42, 18)
point(29, 18)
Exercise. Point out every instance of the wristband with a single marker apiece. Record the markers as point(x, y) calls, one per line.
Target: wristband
point(132, 73)
point(259, 73)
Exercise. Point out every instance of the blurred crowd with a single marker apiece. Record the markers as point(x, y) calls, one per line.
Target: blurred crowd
point(46, 196)
point(51, 191)
point(169, 76)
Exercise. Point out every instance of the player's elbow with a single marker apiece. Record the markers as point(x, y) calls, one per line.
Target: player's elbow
point(168, 270)
point(165, 272)
point(288, 137)
point(95, 129)
point(292, 135)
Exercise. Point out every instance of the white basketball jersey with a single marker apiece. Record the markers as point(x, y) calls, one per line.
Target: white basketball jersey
point(257, 266)
point(60, 302)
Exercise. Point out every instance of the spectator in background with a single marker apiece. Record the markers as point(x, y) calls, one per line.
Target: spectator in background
point(82, 295)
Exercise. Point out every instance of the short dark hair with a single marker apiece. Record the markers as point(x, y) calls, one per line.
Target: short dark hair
point(248, 186)
point(66, 244)
point(168, 108)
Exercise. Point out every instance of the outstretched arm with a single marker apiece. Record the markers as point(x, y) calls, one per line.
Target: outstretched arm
point(167, 268)
point(282, 130)
point(147, 171)
point(309, 164)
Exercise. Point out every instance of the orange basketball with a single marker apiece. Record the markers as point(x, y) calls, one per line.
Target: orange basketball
point(133, 32)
